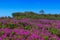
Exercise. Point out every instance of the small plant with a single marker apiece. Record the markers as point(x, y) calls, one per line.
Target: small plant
point(45, 37)
point(27, 27)
point(53, 30)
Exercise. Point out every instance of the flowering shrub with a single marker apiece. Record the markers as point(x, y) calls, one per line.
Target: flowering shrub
point(29, 29)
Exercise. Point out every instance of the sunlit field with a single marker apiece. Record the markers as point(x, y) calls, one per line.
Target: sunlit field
point(30, 26)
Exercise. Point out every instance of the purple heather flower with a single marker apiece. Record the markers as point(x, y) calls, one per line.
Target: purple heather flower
point(0, 38)
point(4, 36)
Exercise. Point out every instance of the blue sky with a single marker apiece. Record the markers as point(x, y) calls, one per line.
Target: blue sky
point(7, 7)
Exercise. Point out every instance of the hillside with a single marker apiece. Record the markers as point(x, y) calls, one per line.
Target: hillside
point(30, 26)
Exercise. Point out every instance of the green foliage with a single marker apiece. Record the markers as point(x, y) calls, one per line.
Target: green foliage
point(53, 30)
point(27, 27)
point(19, 15)
point(1, 33)
point(46, 38)
point(58, 34)
point(5, 39)
point(52, 39)
point(18, 36)
point(13, 33)
point(11, 25)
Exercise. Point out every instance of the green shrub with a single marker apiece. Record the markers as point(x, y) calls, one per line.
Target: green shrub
point(53, 30)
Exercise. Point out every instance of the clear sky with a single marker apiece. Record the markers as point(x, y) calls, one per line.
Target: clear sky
point(7, 7)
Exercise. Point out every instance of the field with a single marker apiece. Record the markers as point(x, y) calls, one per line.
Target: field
point(29, 29)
